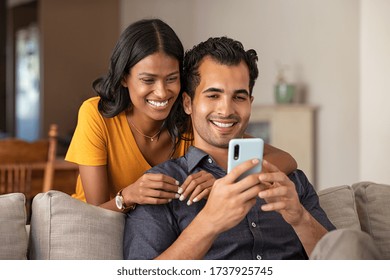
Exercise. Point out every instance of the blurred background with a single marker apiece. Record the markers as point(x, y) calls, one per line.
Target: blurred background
point(334, 53)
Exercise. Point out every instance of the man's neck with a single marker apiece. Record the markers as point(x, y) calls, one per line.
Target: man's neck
point(220, 155)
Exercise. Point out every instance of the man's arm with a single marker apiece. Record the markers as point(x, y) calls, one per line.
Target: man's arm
point(226, 206)
point(281, 195)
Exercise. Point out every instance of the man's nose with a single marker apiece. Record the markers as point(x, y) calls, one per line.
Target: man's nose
point(225, 107)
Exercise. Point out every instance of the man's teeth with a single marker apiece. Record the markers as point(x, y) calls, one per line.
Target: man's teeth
point(223, 124)
point(158, 104)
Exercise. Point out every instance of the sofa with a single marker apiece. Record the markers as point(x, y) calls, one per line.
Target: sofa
point(64, 228)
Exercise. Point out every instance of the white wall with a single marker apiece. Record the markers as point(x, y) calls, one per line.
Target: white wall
point(319, 40)
point(375, 92)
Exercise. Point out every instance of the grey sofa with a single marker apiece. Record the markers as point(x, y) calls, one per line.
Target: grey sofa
point(64, 228)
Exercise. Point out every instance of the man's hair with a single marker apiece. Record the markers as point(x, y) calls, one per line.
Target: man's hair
point(223, 50)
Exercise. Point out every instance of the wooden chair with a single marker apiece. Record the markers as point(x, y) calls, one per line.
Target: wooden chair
point(19, 159)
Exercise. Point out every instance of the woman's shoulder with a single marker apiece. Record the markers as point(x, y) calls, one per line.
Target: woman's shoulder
point(91, 102)
point(89, 106)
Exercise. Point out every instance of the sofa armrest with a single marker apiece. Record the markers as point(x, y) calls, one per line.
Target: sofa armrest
point(13, 234)
point(339, 204)
point(373, 206)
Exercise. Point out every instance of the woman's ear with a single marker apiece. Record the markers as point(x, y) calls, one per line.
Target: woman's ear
point(187, 102)
point(124, 81)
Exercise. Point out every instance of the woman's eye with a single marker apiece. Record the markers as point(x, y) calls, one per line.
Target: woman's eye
point(172, 79)
point(147, 81)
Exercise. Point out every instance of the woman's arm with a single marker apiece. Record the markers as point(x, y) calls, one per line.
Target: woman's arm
point(148, 189)
point(283, 160)
point(95, 185)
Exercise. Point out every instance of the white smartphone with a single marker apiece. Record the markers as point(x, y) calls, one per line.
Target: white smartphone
point(244, 149)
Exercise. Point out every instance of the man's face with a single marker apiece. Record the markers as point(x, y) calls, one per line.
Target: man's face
point(221, 106)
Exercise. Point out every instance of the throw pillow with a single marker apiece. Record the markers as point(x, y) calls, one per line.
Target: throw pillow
point(373, 205)
point(13, 233)
point(64, 228)
point(339, 205)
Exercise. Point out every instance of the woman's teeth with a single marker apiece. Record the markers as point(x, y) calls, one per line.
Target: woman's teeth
point(158, 104)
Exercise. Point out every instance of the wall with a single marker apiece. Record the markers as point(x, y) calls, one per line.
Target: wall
point(375, 94)
point(319, 40)
point(77, 40)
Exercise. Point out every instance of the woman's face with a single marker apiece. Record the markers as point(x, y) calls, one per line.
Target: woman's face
point(154, 85)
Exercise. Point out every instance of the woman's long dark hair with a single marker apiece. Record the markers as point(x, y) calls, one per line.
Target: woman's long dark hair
point(137, 41)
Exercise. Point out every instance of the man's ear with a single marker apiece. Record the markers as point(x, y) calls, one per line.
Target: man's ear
point(252, 98)
point(187, 102)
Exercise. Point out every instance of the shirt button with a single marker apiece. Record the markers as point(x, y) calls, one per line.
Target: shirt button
point(253, 224)
point(258, 257)
point(210, 160)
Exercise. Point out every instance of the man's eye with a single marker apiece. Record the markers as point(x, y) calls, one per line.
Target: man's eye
point(241, 97)
point(212, 96)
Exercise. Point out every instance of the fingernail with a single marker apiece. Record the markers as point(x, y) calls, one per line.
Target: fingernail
point(177, 195)
point(255, 160)
point(261, 194)
point(180, 190)
point(177, 183)
point(189, 202)
point(182, 197)
point(169, 200)
point(195, 199)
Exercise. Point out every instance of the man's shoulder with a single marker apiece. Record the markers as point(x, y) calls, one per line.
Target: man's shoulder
point(170, 167)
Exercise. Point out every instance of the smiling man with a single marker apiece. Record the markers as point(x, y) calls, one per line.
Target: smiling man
point(264, 216)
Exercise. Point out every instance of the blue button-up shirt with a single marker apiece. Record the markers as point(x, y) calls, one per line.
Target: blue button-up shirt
point(151, 229)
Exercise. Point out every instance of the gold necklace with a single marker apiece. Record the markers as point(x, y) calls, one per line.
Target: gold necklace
point(146, 136)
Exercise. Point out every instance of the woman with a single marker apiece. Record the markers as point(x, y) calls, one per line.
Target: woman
point(130, 126)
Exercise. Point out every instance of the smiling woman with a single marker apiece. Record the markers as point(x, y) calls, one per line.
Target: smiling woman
point(128, 128)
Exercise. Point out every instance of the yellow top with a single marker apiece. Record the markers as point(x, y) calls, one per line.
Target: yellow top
point(108, 141)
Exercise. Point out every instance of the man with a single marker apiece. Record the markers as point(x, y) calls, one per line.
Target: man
point(263, 216)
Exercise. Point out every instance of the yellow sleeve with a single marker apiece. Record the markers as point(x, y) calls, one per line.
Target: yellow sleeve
point(88, 145)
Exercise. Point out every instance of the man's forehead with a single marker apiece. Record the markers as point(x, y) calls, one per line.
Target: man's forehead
point(212, 71)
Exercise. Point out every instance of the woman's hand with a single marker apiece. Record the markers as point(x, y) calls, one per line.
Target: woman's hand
point(197, 186)
point(151, 189)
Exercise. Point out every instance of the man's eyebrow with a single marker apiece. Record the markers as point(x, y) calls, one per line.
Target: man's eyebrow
point(213, 89)
point(241, 91)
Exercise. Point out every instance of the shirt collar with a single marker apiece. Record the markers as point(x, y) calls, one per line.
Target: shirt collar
point(194, 157)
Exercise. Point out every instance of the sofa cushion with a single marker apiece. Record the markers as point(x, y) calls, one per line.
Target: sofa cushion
point(339, 204)
point(13, 234)
point(63, 228)
point(373, 205)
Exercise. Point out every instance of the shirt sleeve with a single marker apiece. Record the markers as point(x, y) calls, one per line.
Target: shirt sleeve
point(89, 142)
point(149, 231)
point(309, 199)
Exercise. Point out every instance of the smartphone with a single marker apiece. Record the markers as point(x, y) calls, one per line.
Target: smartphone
point(244, 149)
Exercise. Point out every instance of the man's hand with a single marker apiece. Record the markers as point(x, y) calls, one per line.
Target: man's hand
point(230, 201)
point(280, 194)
